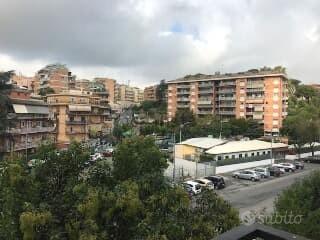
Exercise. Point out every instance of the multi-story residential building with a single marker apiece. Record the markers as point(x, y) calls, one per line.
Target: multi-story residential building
point(30, 124)
point(55, 76)
point(150, 93)
point(110, 85)
point(256, 94)
point(79, 114)
point(126, 95)
point(23, 81)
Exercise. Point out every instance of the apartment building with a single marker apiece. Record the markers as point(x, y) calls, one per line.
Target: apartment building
point(150, 93)
point(23, 81)
point(110, 85)
point(79, 114)
point(55, 76)
point(126, 95)
point(261, 95)
point(30, 124)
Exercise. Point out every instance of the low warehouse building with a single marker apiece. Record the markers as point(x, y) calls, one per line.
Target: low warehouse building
point(247, 149)
point(192, 147)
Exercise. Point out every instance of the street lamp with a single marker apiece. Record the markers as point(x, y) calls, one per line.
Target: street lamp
point(181, 126)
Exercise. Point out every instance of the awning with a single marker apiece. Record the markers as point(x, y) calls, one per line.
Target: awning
point(79, 108)
point(22, 108)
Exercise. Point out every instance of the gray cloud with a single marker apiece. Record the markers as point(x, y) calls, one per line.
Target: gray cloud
point(147, 40)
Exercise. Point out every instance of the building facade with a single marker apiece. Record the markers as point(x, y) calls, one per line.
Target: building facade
point(150, 93)
point(109, 85)
point(80, 115)
point(54, 76)
point(261, 95)
point(127, 95)
point(30, 124)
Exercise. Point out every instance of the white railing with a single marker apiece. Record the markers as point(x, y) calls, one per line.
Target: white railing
point(30, 130)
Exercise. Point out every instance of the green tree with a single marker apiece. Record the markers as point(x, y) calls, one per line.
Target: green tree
point(301, 200)
point(5, 86)
point(46, 91)
point(183, 116)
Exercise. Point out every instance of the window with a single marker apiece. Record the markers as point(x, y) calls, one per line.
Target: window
point(258, 153)
point(252, 154)
point(71, 130)
point(226, 157)
point(71, 118)
point(240, 155)
point(264, 153)
point(219, 157)
point(83, 119)
point(233, 156)
point(246, 154)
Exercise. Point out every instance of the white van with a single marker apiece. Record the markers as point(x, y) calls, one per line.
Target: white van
point(196, 187)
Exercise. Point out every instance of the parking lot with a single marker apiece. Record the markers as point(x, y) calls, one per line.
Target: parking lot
point(233, 184)
point(246, 195)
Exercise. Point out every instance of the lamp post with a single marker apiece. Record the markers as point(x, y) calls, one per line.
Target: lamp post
point(181, 126)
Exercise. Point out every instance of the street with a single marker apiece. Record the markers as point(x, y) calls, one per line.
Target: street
point(247, 196)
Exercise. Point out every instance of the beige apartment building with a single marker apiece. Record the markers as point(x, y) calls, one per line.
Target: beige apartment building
point(126, 95)
point(54, 76)
point(110, 85)
point(261, 95)
point(150, 93)
point(30, 124)
point(80, 115)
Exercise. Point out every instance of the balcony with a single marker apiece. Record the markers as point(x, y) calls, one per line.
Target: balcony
point(19, 146)
point(204, 102)
point(31, 130)
point(206, 91)
point(182, 105)
point(227, 105)
point(183, 92)
point(82, 131)
point(183, 86)
point(226, 99)
point(204, 112)
point(225, 91)
point(253, 90)
point(76, 122)
point(205, 85)
point(226, 83)
point(257, 116)
point(183, 99)
point(227, 112)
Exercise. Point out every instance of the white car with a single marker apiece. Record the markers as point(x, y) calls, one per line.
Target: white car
point(96, 156)
point(288, 166)
point(282, 168)
point(205, 183)
point(196, 187)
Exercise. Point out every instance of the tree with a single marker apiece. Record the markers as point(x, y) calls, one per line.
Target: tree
point(63, 198)
point(5, 86)
point(183, 116)
point(301, 201)
point(46, 91)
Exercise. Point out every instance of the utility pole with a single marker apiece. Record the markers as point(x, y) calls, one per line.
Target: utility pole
point(174, 157)
point(271, 149)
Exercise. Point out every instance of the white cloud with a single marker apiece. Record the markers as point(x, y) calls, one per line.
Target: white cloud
point(148, 40)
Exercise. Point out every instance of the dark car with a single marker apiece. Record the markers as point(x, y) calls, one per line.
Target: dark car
point(299, 165)
point(314, 159)
point(217, 181)
point(274, 171)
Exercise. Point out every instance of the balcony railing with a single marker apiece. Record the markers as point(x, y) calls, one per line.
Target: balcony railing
point(202, 112)
point(227, 105)
point(227, 112)
point(253, 90)
point(204, 102)
point(203, 85)
point(226, 98)
point(183, 92)
point(83, 131)
point(183, 86)
point(31, 130)
point(225, 83)
point(205, 91)
point(227, 90)
point(183, 106)
point(76, 122)
point(183, 99)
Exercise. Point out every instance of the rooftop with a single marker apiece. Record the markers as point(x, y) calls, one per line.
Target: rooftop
point(277, 71)
point(203, 142)
point(244, 146)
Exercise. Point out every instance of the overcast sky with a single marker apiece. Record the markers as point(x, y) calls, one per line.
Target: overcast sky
point(147, 40)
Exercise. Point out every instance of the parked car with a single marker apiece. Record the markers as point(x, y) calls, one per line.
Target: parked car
point(299, 165)
point(217, 181)
point(247, 174)
point(275, 171)
point(95, 157)
point(205, 183)
point(313, 159)
point(196, 187)
point(282, 168)
point(288, 167)
point(263, 172)
point(189, 190)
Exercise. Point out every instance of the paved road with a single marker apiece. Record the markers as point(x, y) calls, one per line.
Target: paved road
point(248, 196)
